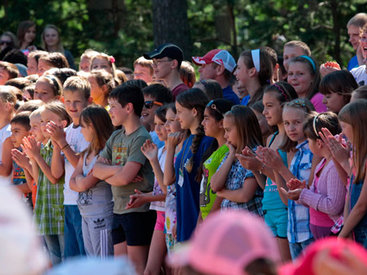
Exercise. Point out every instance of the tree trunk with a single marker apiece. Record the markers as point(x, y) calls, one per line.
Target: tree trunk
point(170, 24)
point(336, 29)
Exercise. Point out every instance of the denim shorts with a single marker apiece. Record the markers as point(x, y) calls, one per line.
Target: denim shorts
point(277, 220)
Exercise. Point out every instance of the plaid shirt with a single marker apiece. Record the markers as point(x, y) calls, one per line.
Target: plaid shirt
point(235, 180)
point(49, 209)
point(298, 215)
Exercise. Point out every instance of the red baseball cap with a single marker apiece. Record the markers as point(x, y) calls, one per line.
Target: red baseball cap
point(218, 56)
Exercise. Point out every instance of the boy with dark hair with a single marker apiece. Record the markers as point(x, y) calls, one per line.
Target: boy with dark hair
point(155, 95)
point(167, 59)
point(218, 65)
point(22, 179)
point(124, 166)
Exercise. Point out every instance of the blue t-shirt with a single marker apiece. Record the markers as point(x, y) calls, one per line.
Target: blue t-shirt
point(188, 189)
point(229, 94)
point(245, 100)
point(353, 63)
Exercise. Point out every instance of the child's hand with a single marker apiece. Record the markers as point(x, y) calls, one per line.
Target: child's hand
point(174, 139)
point(329, 67)
point(31, 147)
point(136, 200)
point(232, 149)
point(270, 158)
point(291, 194)
point(56, 132)
point(337, 146)
point(248, 160)
point(150, 150)
point(293, 184)
point(20, 158)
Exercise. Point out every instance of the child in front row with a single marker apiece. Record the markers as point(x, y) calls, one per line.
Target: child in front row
point(233, 182)
point(95, 196)
point(120, 162)
point(300, 160)
point(49, 209)
point(19, 129)
point(76, 93)
point(326, 196)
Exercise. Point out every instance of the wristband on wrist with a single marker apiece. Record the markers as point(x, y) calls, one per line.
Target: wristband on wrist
point(66, 146)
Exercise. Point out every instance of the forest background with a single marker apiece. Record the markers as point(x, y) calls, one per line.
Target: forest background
point(128, 28)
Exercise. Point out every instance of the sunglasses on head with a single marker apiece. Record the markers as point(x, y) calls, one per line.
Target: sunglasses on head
point(149, 104)
point(5, 43)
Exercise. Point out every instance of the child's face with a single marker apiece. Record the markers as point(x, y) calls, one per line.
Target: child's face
point(87, 131)
point(207, 71)
point(44, 91)
point(230, 131)
point(147, 114)
point(272, 109)
point(74, 102)
point(143, 72)
point(300, 78)
point(30, 34)
point(36, 131)
point(334, 102)
point(46, 117)
point(293, 119)
point(313, 145)
point(101, 64)
point(184, 116)
point(4, 76)
point(18, 132)
point(96, 91)
point(31, 66)
point(265, 129)
point(347, 130)
point(160, 129)
point(364, 46)
point(162, 67)
point(354, 33)
point(242, 72)
point(289, 53)
point(172, 125)
point(43, 66)
point(117, 112)
point(84, 64)
point(211, 126)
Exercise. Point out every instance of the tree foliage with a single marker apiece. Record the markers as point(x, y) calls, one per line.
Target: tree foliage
point(124, 28)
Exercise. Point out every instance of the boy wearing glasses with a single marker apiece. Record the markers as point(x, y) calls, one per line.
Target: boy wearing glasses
point(167, 59)
point(155, 95)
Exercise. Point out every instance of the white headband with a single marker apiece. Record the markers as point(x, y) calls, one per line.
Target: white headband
point(256, 59)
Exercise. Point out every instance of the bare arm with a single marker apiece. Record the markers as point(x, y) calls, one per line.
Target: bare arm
point(6, 165)
point(125, 174)
point(357, 213)
point(244, 194)
point(218, 180)
point(57, 162)
point(78, 182)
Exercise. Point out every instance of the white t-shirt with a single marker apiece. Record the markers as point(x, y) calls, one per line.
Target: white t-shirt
point(360, 75)
point(76, 140)
point(5, 132)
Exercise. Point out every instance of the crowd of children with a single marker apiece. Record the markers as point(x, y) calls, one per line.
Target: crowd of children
point(113, 164)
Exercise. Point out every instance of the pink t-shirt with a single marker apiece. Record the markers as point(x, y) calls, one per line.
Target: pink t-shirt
point(316, 100)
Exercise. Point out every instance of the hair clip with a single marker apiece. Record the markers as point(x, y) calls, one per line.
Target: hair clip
point(112, 59)
point(299, 102)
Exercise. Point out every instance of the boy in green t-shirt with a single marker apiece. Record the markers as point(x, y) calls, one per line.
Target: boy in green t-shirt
point(124, 166)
